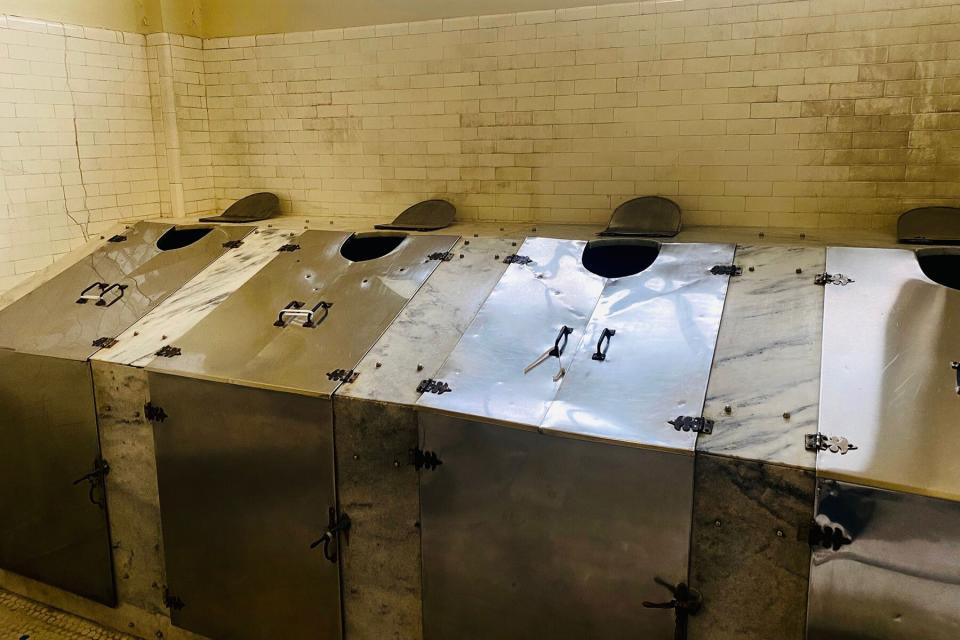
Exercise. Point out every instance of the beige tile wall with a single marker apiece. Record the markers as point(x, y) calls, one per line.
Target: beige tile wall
point(76, 139)
point(807, 113)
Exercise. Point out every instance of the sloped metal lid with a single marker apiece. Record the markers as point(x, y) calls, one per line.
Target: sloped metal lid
point(256, 206)
point(428, 215)
point(306, 315)
point(890, 338)
point(930, 225)
point(100, 296)
point(651, 216)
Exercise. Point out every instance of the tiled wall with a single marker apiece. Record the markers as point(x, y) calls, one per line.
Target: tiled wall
point(76, 139)
point(804, 113)
point(829, 113)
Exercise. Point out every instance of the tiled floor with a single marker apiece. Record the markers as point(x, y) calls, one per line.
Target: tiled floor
point(22, 619)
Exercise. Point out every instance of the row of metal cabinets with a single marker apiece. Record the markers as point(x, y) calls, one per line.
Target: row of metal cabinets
point(424, 435)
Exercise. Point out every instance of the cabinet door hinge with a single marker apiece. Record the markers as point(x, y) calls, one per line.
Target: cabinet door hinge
point(824, 279)
point(515, 259)
point(154, 413)
point(345, 376)
point(172, 602)
point(232, 244)
point(433, 386)
point(727, 270)
point(833, 444)
point(168, 352)
point(441, 256)
point(421, 459)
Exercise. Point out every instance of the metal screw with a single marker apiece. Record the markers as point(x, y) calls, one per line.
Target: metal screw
point(513, 244)
point(379, 364)
point(716, 523)
point(356, 457)
point(419, 367)
point(466, 242)
point(496, 257)
point(751, 269)
point(728, 409)
point(799, 270)
point(396, 463)
point(461, 256)
point(779, 533)
point(786, 415)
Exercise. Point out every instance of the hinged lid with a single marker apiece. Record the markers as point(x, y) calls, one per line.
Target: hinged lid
point(428, 215)
point(930, 225)
point(887, 380)
point(651, 216)
point(308, 312)
point(106, 292)
point(657, 365)
point(251, 208)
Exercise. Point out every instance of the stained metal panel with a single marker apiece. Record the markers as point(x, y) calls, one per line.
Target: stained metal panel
point(518, 322)
point(528, 535)
point(49, 321)
point(52, 528)
point(899, 576)
point(887, 384)
point(246, 478)
point(239, 343)
point(657, 364)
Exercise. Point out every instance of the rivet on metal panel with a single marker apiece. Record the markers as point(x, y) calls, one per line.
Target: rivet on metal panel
point(419, 367)
point(717, 524)
point(786, 415)
point(727, 409)
point(799, 270)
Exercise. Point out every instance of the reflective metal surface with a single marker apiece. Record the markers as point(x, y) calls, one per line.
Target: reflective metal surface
point(240, 343)
point(246, 478)
point(534, 536)
point(518, 322)
point(887, 384)
point(52, 528)
point(898, 578)
point(49, 320)
point(656, 366)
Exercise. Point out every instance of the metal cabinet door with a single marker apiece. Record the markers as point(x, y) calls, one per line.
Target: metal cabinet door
point(895, 572)
point(537, 536)
point(53, 526)
point(246, 481)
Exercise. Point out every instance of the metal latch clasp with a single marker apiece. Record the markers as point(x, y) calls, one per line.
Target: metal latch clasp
point(559, 345)
point(337, 524)
point(96, 479)
point(686, 602)
point(295, 310)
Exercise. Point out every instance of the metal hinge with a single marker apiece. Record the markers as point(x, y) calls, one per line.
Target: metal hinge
point(104, 343)
point(828, 535)
point(824, 279)
point(515, 259)
point(172, 602)
point(727, 270)
point(154, 413)
point(168, 352)
point(118, 238)
point(440, 255)
point(433, 386)
point(289, 247)
point(833, 444)
point(343, 375)
point(697, 424)
point(424, 459)
point(232, 244)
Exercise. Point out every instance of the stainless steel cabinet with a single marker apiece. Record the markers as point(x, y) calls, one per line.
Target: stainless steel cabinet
point(559, 499)
point(244, 433)
point(54, 527)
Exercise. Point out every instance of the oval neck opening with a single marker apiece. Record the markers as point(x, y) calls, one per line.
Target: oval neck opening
point(179, 238)
point(941, 265)
point(369, 246)
point(619, 257)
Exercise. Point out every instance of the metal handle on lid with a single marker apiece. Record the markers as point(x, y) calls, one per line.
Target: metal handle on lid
point(99, 295)
point(559, 346)
point(294, 310)
point(601, 353)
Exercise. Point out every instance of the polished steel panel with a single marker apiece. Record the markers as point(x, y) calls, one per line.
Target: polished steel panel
point(898, 579)
point(887, 384)
point(518, 322)
point(246, 478)
point(239, 342)
point(49, 321)
point(657, 364)
point(528, 535)
point(51, 529)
